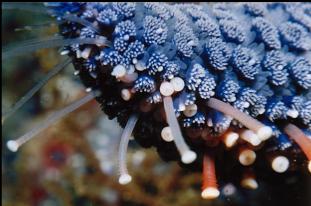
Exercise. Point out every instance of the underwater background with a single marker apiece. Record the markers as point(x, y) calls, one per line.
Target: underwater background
point(73, 162)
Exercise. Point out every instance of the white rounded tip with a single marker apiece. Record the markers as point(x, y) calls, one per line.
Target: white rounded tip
point(255, 142)
point(264, 133)
point(126, 94)
point(160, 69)
point(178, 84)
point(86, 53)
point(166, 89)
point(166, 134)
point(280, 164)
point(247, 157)
point(125, 179)
point(118, 71)
point(210, 193)
point(188, 157)
point(231, 138)
point(250, 137)
point(309, 166)
point(126, 37)
point(64, 52)
point(190, 110)
point(89, 89)
point(131, 69)
point(249, 183)
point(12, 145)
point(246, 104)
point(292, 113)
point(191, 43)
point(181, 107)
point(134, 61)
point(159, 30)
point(140, 66)
point(229, 189)
point(261, 111)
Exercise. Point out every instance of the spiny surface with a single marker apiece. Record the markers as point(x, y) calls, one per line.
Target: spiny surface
point(255, 57)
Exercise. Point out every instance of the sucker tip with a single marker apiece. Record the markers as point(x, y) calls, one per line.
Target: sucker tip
point(188, 157)
point(264, 133)
point(247, 157)
point(125, 179)
point(280, 164)
point(210, 193)
point(12, 145)
point(249, 183)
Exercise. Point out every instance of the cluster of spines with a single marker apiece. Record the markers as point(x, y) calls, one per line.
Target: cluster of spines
point(229, 25)
point(295, 36)
point(227, 90)
point(125, 29)
point(172, 70)
point(109, 57)
point(266, 32)
point(221, 37)
point(245, 62)
point(160, 10)
point(276, 110)
point(255, 9)
point(255, 102)
point(157, 63)
point(195, 76)
point(300, 70)
point(218, 53)
point(155, 30)
point(207, 28)
point(195, 121)
point(145, 84)
point(300, 13)
point(207, 87)
point(232, 30)
point(274, 62)
point(305, 113)
point(185, 40)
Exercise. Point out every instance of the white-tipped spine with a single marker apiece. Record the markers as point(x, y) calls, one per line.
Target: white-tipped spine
point(36, 88)
point(187, 156)
point(125, 178)
point(13, 145)
point(262, 131)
